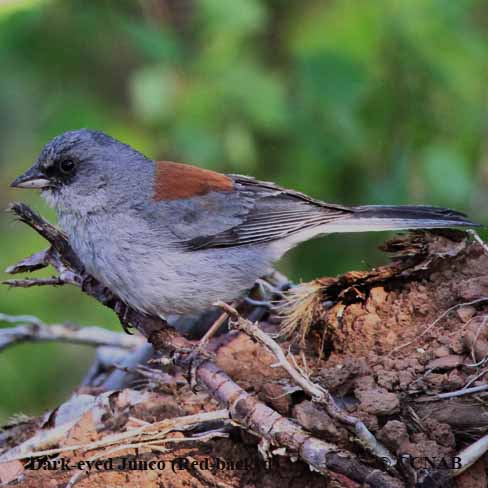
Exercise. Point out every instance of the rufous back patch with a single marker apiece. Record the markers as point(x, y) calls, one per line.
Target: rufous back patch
point(175, 181)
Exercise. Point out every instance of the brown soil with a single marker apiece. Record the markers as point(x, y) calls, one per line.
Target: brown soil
point(384, 343)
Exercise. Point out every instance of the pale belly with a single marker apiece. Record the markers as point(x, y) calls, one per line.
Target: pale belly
point(160, 280)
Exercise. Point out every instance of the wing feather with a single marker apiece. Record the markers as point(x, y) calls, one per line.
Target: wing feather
point(276, 214)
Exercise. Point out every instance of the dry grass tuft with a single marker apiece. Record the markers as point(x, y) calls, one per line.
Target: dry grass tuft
point(302, 308)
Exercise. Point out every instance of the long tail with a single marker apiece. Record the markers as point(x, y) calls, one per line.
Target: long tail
point(385, 217)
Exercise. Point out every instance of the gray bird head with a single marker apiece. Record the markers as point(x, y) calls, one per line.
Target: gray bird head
point(85, 170)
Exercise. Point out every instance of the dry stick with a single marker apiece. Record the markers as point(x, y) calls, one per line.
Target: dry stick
point(476, 377)
point(463, 391)
point(42, 440)
point(156, 430)
point(453, 394)
point(281, 431)
point(54, 281)
point(33, 330)
point(251, 413)
point(317, 393)
point(38, 260)
point(468, 456)
point(214, 328)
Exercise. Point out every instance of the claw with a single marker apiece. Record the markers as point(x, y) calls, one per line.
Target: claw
point(122, 311)
point(194, 361)
point(265, 293)
point(266, 287)
point(257, 303)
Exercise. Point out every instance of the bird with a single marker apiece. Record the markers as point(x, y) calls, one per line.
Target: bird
point(172, 239)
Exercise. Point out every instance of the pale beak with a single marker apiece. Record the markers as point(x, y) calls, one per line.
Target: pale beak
point(32, 178)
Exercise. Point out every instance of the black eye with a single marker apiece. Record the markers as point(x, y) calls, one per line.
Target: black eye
point(67, 166)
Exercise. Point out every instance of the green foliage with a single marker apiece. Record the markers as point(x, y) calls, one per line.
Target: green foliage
point(376, 101)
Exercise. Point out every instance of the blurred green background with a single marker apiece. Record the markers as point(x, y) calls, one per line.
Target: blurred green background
point(371, 101)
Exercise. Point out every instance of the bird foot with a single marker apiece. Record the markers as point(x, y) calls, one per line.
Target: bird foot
point(267, 289)
point(194, 360)
point(265, 294)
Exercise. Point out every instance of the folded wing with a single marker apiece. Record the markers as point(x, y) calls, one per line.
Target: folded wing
point(276, 214)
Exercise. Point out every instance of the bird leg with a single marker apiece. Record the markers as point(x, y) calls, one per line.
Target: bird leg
point(266, 293)
point(199, 353)
point(264, 290)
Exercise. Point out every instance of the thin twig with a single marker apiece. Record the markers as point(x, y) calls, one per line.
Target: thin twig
point(214, 328)
point(318, 393)
point(476, 377)
point(34, 330)
point(467, 457)
point(29, 283)
point(39, 260)
point(437, 320)
point(463, 391)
